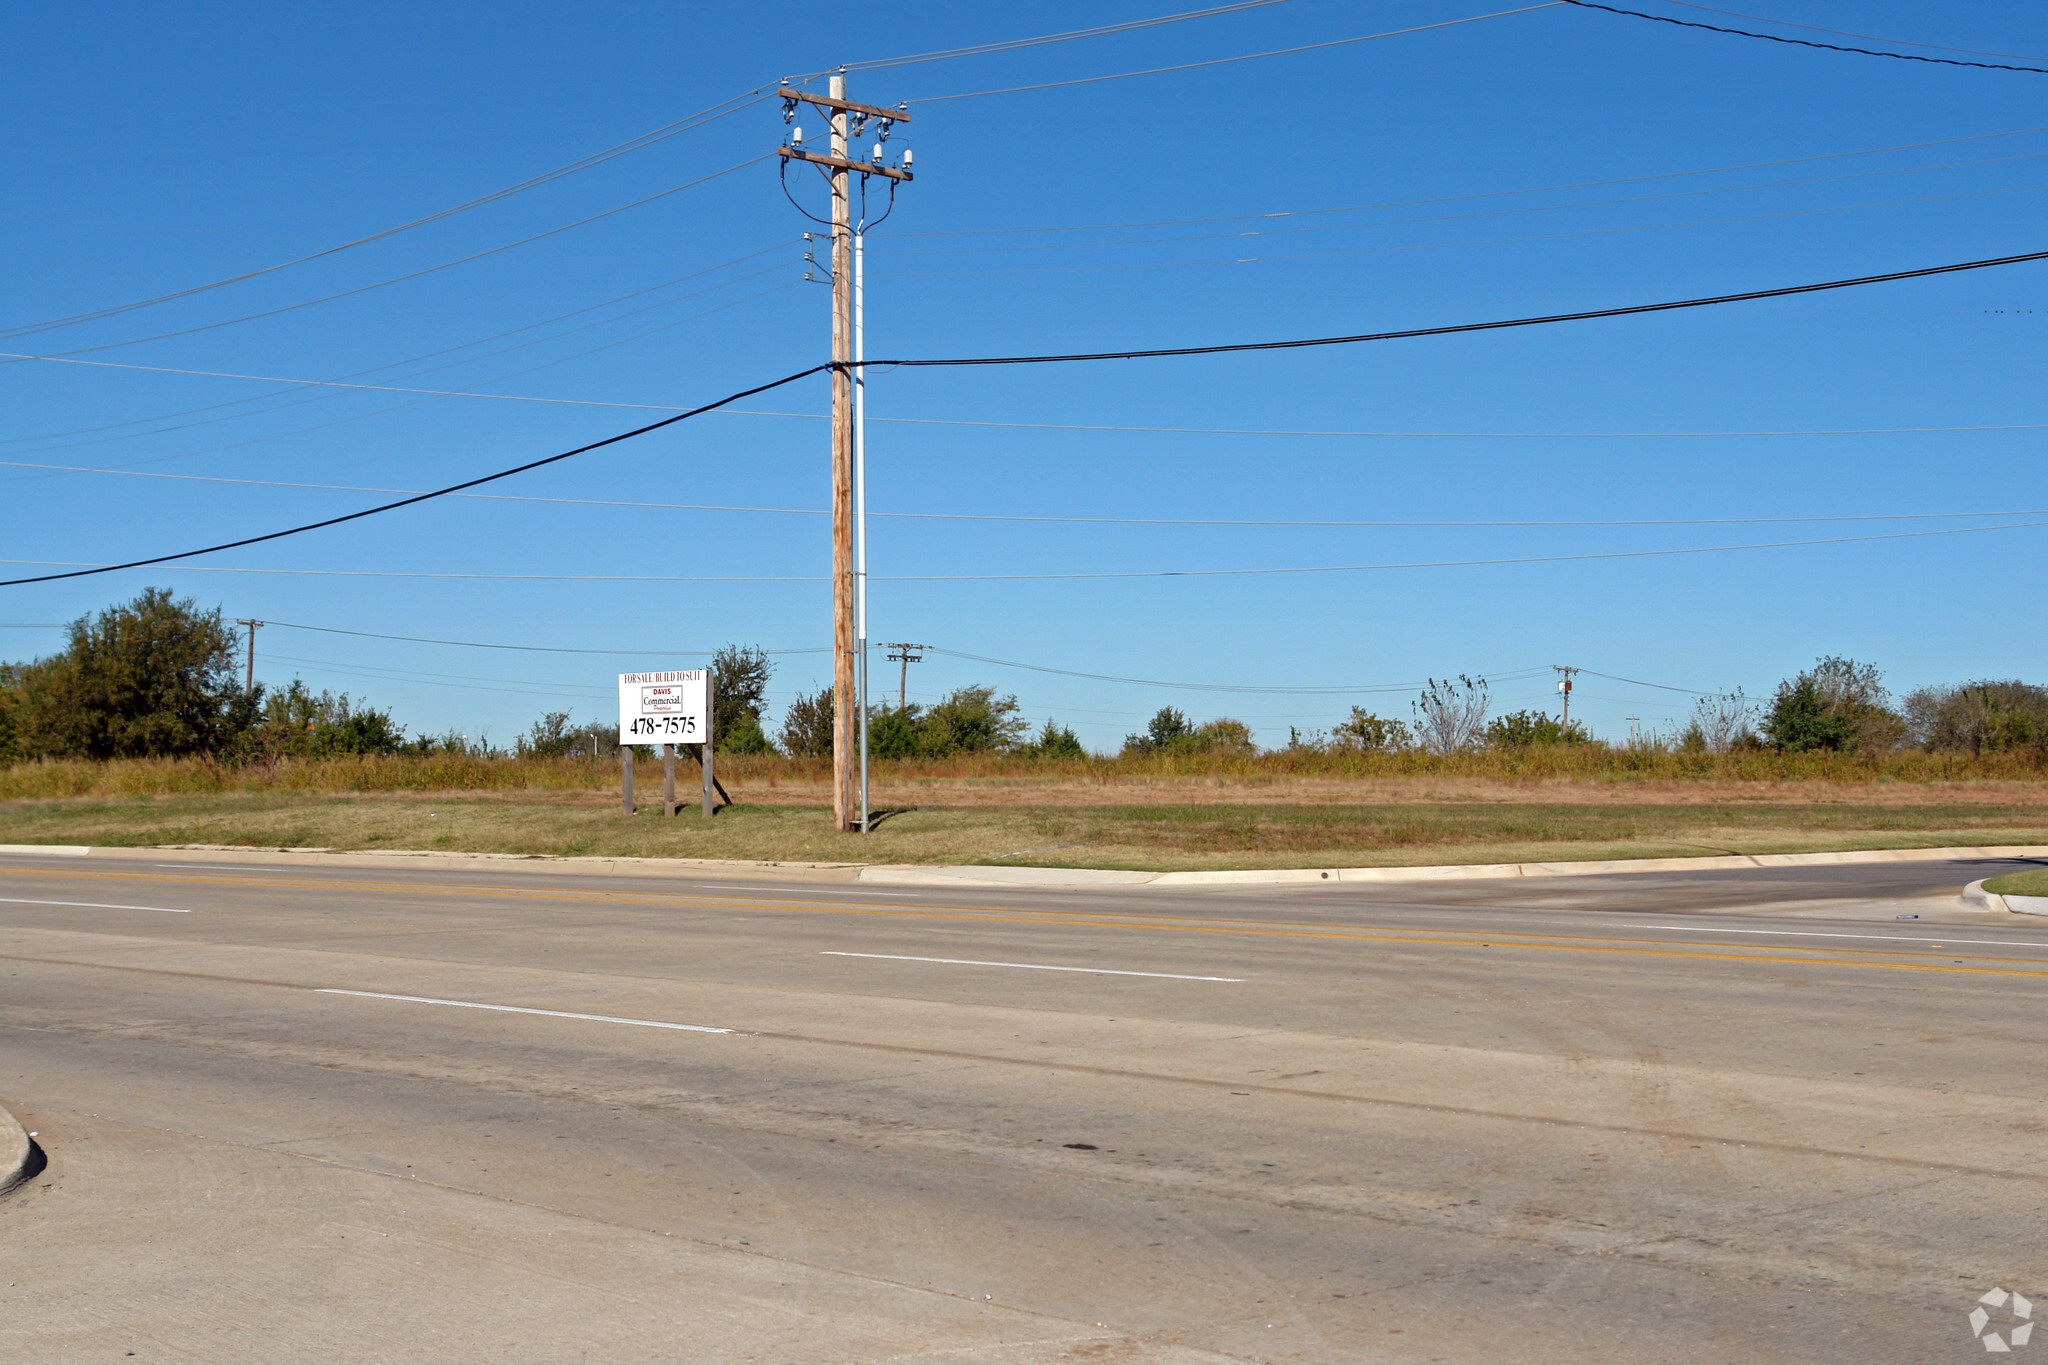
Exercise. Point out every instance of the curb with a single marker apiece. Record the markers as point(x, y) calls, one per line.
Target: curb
point(907, 874)
point(1975, 894)
point(17, 1153)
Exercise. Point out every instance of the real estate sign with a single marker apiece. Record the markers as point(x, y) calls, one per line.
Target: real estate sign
point(665, 708)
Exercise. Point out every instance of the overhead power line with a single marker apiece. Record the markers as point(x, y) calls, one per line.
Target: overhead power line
point(529, 649)
point(1243, 57)
point(1253, 522)
point(1013, 44)
point(409, 275)
point(1748, 296)
point(1216, 687)
point(1807, 42)
point(668, 130)
point(1218, 349)
point(1844, 33)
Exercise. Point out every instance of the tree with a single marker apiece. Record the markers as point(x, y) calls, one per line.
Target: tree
point(896, 731)
point(741, 690)
point(1836, 705)
point(1529, 729)
point(1056, 741)
point(149, 678)
point(1979, 717)
point(550, 737)
point(1371, 734)
point(971, 719)
point(807, 725)
point(1450, 716)
point(1167, 730)
point(293, 722)
point(1718, 724)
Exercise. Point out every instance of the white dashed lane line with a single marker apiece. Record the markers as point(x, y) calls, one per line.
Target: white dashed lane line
point(521, 1009)
point(1032, 967)
point(94, 905)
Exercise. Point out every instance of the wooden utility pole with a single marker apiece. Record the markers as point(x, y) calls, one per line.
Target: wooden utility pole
point(843, 117)
point(905, 655)
point(1564, 689)
point(249, 685)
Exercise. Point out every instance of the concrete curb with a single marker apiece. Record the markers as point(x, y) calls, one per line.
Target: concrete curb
point(1975, 894)
point(906, 874)
point(902, 875)
point(17, 1154)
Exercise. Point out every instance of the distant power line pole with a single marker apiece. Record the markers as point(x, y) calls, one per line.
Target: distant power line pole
point(1632, 737)
point(845, 121)
point(1564, 689)
point(250, 685)
point(905, 655)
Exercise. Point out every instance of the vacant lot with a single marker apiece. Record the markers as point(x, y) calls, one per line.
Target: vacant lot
point(1156, 824)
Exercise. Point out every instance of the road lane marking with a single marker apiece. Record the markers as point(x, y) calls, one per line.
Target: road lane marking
point(520, 1009)
point(93, 905)
point(1031, 966)
point(1956, 941)
point(1111, 921)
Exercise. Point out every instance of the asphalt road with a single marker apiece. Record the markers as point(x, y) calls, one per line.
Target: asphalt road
point(518, 1115)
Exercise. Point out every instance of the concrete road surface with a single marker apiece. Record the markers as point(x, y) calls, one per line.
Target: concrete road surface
point(523, 1115)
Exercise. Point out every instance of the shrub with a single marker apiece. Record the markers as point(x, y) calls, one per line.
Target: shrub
point(1978, 717)
point(807, 725)
point(896, 732)
point(1368, 733)
point(1719, 724)
point(1167, 730)
point(1838, 705)
point(1527, 729)
point(550, 737)
point(1056, 741)
point(739, 694)
point(1450, 716)
point(971, 720)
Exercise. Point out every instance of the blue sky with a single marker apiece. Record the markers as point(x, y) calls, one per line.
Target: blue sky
point(1484, 169)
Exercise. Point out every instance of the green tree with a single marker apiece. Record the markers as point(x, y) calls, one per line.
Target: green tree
point(896, 731)
point(807, 725)
point(1528, 729)
point(1372, 734)
point(1167, 730)
point(1836, 705)
point(1056, 741)
point(148, 678)
point(1979, 717)
point(293, 721)
point(741, 674)
point(550, 737)
point(971, 719)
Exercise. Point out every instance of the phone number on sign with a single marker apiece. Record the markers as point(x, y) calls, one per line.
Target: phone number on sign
point(673, 726)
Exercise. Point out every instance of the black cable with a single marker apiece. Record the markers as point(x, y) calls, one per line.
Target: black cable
point(1049, 359)
point(1477, 326)
point(1805, 42)
point(437, 493)
point(530, 649)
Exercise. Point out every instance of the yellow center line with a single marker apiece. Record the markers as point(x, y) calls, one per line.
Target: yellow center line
point(1473, 938)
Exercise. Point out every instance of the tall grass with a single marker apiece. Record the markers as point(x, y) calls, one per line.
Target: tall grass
point(70, 779)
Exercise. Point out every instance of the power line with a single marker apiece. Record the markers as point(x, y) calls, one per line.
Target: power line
point(1806, 42)
point(1494, 213)
point(1218, 349)
point(439, 492)
point(1637, 682)
point(716, 111)
point(1209, 687)
point(1078, 576)
point(410, 275)
point(1487, 194)
point(1844, 33)
point(1244, 57)
point(1414, 435)
point(1783, 291)
point(529, 649)
point(1069, 521)
point(430, 355)
point(1013, 44)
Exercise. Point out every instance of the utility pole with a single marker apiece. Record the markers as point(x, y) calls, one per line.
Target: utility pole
point(1564, 689)
point(905, 655)
point(250, 685)
point(1632, 730)
point(845, 121)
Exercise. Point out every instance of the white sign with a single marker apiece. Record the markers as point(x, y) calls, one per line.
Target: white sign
point(664, 708)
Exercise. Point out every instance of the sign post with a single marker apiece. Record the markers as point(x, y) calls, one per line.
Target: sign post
point(668, 709)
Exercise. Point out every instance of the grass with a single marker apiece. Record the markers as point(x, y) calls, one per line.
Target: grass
point(1193, 824)
point(2020, 883)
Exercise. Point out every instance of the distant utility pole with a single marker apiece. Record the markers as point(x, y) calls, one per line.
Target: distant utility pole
point(1564, 689)
point(1632, 730)
point(905, 655)
point(845, 120)
point(250, 685)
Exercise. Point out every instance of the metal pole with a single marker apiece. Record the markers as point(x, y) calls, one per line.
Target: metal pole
point(860, 510)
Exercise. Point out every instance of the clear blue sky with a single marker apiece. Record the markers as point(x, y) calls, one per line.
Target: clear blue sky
point(154, 148)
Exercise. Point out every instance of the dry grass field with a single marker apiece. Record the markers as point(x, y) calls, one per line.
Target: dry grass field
point(1161, 814)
